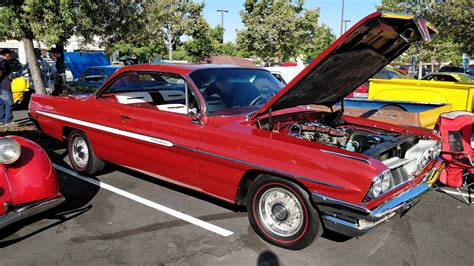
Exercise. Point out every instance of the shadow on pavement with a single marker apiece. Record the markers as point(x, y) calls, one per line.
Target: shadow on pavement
point(268, 258)
point(77, 193)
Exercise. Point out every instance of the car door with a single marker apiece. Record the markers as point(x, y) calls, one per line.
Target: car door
point(160, 134)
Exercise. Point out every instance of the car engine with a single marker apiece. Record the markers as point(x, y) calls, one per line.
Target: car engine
point(349, 137)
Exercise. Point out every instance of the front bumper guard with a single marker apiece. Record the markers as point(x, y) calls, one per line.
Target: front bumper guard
point(29, 210)
point(355, 220)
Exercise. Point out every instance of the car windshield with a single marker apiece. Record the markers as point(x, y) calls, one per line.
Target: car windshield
point(230, 91)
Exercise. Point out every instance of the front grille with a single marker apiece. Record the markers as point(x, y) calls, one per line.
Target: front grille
point(399, 175)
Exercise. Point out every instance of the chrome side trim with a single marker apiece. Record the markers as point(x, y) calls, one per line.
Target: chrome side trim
point(347, 156)
point(170, 144)
point(29, 210)
point(112, 130)
point(259, 167)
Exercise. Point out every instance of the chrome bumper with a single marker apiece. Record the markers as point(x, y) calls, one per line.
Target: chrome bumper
point(355, 220)
point(29, 210)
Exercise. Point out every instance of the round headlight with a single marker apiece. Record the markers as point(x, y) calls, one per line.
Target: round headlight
point(9, 150)
point(385, 182)
point(377, 188)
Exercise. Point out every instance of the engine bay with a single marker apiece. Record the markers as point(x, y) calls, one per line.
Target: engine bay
point(330, 129)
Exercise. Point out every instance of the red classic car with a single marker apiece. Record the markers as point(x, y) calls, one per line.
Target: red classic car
point(28, 183)
point(235, 134)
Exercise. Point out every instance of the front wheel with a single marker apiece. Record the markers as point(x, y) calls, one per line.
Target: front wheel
point(281, 213)
point(81, 155)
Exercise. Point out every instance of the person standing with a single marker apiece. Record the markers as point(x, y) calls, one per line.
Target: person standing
point(53, 72)
point(6, 115)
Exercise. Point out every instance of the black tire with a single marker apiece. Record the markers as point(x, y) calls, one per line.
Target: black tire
point(89, 163)
point(301, 232)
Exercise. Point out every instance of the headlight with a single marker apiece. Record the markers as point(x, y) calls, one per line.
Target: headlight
point(386, 181)
point(427, 156)
point(377, 187)
point(10, 150)
point(382, 183)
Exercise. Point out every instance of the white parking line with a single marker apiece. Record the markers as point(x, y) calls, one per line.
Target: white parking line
point(454, 192)
point(213, 228)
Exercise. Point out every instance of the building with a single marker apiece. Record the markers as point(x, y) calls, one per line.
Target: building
point(74, 44)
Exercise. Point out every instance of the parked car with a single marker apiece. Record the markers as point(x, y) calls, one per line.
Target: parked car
point(387, 72)
point(456, 69)
point(92, 78)
point(28, 182)
point(285, 74)
point(450, 77)
point(459, 95)
point(235, 134)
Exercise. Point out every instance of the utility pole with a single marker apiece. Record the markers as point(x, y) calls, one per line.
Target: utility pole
point(342, 17)
point(222, 16)
point(345, 24)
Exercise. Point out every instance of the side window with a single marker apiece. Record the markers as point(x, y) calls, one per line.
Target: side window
point(153, 90)
point(93, 75)
point(279, 78)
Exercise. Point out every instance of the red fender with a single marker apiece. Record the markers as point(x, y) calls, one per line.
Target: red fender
point(5, 193)
point(31, 178)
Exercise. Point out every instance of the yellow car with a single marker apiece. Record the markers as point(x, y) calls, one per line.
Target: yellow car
point(450, 77)
point(459, 95)
point(20, 89)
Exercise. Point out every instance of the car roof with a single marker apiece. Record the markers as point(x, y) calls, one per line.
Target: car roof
point(461, 77)
point(182, 69)
point(104, 67)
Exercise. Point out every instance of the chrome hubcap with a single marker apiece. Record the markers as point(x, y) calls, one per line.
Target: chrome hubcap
point(281, 212)
point(80, 152)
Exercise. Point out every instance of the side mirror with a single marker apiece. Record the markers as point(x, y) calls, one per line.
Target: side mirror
point(196, 119)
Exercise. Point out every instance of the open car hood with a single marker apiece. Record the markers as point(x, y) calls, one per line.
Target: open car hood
point(352, 59)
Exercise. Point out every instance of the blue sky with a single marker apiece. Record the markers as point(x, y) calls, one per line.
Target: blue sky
point(330, 13)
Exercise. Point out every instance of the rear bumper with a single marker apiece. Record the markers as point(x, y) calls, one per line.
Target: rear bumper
point(355, 220)
point(29, 210)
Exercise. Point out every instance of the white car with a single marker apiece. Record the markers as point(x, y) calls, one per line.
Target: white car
point(285, 74)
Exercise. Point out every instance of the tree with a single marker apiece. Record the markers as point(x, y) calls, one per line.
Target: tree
point(277, 29)
point(218, 34)
point(15, 24)
point(452, 18)
point(201, 43)
point(317, 41)
point(55, 22)
point(172, 19)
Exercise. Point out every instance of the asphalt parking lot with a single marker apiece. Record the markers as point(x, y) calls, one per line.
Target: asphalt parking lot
point(125, 221)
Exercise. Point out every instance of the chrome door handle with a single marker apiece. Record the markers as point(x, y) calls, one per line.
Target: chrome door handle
point(123, 117)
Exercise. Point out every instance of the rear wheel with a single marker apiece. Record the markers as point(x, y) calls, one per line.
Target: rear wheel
point(81, 155)
point(281, 213)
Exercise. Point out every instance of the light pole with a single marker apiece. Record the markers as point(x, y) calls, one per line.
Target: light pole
point(222, 16)
point(342, 16)
point(345, 24)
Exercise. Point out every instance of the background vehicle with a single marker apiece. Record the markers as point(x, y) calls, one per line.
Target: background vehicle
point(285, 74)
point(450, 77)
point(387, 72)
point(459, 95)
point(456, 69)
point(28, 183)
point(92, 78)
point(237, 135)
point(77, 62)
